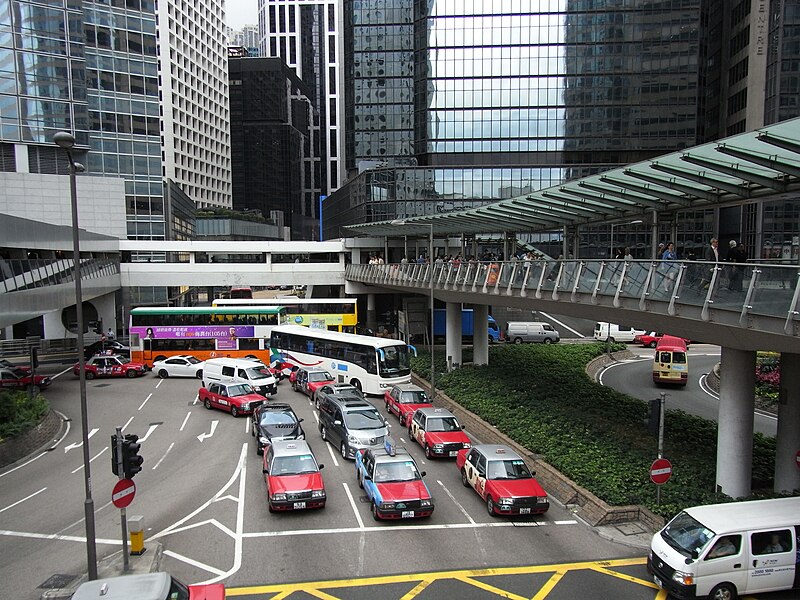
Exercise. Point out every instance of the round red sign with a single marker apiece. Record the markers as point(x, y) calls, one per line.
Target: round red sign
point(660, 471)
point(123, 493)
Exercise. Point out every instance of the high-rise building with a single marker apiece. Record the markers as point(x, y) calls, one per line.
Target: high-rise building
point(244, 37)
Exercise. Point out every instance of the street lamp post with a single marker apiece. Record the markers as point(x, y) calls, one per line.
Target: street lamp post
point(431, 270)
point(611, 243)
point(66, 141)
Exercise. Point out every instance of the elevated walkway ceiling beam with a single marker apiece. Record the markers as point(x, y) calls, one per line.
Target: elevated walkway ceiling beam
point(733, 188)
point(771, 162)
point(737, 171)
point(637, 200)
point(671, 184)
point(587, 210)
point(540, 218)
point(557, 202)
point(781, 142)
point(502, 219)
point(614, 206)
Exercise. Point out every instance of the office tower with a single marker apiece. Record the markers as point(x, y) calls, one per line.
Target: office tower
point(244, 37)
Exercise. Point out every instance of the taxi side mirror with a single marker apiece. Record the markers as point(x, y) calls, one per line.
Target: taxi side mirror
point(320, 467)
point(463, 427)
point(533, 473)
point(422, 474)
point(265, 471)
point(300, 420)
point(367, 477)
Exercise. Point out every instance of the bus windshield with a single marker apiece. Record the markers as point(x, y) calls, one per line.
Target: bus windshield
point(393, 361)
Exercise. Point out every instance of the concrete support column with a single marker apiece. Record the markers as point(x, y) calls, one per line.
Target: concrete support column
point(480, 335)
point(372, 317)
point(453, 334)
point(787, 469)
point(735, 436)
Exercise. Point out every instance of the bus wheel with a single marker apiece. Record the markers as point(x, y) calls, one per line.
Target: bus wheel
point(163, 373)
point(356, 384)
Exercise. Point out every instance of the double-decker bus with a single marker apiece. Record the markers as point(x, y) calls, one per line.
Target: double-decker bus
point(369, 363)
point(336, 314)
point(204, 332)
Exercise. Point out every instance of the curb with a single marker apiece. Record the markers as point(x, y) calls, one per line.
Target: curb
point(21, 447)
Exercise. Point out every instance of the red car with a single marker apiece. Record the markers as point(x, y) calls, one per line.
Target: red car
point(236, 398)
point(293, 477)
point(404, 399)
point(111, 365)
point(309, 380)
point(4, 364)
point(650, 340)
point(502, 479)
point(438, 432)
point(18, 379)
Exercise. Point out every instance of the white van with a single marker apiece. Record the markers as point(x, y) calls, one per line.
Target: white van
point(724, 550)
point(611, 332)
point(523, 331)
point(240, 370)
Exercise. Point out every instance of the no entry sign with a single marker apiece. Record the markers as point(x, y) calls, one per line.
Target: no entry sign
point(123, 493)
point(660, 471)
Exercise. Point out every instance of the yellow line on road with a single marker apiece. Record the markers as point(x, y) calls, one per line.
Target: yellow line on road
point(625, 577)
point(418, 589)
point(490, 588)
point(548, 587)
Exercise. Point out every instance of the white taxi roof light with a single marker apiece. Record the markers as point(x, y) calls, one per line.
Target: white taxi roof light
point(500, 451)
point(438, 410)
point(390, 446)
point(291, 446)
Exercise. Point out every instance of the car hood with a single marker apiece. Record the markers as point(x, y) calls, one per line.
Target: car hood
point(212, 591)
point(403, 490)
point(277, 431)
point(516, 488)
point(446, 437)
point(248, 398)
point(280, 484)
point(315, 385)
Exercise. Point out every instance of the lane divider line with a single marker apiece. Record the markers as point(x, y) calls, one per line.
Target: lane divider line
point(124, 427)
point(332, 453)
point(456, 502)
point(23, 500)
point(188, 414)
point(353, 504)
point(160, 460)
point(90, 460)
point(194, 563)
point(145, 401)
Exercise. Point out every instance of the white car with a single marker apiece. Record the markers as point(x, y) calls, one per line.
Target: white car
point(179, 366)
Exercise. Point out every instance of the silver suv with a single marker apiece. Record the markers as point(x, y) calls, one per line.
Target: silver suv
point(350, 424)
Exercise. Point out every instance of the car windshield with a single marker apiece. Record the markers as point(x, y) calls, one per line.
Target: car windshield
point(240, 390)
point(416, 397)
point(442, 424)
point(396, 471)
point(192, 360)
point(508, 469)
point(293, 465)
point(363, 419)
point(177, 590)
point(319, 376)
point(255, 373)
point(686, 534)
point(271, 417)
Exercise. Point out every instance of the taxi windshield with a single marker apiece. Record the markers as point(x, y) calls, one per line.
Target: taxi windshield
point(442, 424)
point(241, 389)
point(319, 376)
point(363, 419)
point(396, 471)
point(508, 469)
point(686, 534)
point(419, 397)
point(293, 465)
point(271, 417)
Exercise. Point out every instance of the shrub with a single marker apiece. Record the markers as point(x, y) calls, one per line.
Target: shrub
point(19, 413)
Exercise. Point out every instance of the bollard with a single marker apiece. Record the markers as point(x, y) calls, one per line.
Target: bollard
point(136, 528)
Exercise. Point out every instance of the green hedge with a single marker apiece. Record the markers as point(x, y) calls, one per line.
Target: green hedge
point(19, 413)
point(542, 398)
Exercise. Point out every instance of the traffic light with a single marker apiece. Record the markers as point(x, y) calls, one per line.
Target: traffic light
point(131, 461)
point(114, 456)
point(654, 417)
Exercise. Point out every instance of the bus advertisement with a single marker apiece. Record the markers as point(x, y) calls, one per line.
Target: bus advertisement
point(369, 363)
point(204, 332)
point(335, 314)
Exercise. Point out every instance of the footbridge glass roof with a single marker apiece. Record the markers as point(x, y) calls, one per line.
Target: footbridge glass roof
point(757, 165)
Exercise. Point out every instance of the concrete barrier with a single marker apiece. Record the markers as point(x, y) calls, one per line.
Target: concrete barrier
point(44, 434)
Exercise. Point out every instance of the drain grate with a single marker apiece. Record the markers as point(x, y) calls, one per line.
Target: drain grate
point(58, 581)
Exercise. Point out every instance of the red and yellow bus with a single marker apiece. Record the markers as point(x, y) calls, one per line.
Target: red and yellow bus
point(158, 332)
point(671, 364)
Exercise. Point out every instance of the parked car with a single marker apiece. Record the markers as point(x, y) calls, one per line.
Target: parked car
point(337, 389)
point(350, 425)
point(9, 365)
point(438, 432)
point(17, 379)
point(235, 398)
point(502, 479)
point(393, 483)
point(309, 380)
point(110, 365)
point(147, 586)
point(106, 347)
point(404, 399)
point(179, 366)
point(275, 421)
point(293, 477)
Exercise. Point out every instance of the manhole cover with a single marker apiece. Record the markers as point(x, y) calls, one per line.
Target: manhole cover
point(57, 582)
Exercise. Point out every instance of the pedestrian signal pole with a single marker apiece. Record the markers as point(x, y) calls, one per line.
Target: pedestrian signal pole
point(119, 450)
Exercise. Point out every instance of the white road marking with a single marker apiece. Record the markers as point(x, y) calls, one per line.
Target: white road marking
point(61, 373)
point(457, 503)
point(188, 414)
point(124, 427)
point(203, 436)
point(564, 325)
point(160, 381)
point(23, 500)
point(145, 401)
point(600, 375)
point(247, 426)
point(90, 460)
point(333, 455)
point(79, 444)
point(150, 430)
point(160, 460)
point(53, 447)
point(196, 397)
point(61, 538)
point(316, 418)
point(82, 519)
point(353, 504)
point(567, 522)
point(193, 562)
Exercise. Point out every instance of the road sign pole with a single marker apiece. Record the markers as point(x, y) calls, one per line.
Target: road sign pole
point(122, 511)
point(661, 439)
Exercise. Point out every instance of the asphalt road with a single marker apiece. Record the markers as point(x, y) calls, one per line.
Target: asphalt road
point(634, 377)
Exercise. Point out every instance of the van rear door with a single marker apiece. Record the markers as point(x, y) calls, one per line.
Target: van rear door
point(772, 560)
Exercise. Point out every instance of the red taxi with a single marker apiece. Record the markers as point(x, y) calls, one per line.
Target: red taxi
point(293, 477)
point(438, 432)
point(651, 339)
point(236, 398)
point(405, 398)
point(110, 365)
point(502, 479)
point(310, 380)
point(19, 379)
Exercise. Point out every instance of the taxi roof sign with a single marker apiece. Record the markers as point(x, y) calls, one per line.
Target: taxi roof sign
point(500, 451)
point(291, 446)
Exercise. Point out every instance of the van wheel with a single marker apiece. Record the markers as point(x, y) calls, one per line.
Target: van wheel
point(548, 341)
point(518, 340)
point(724, 591)
point(163, 373)
point(356, 384)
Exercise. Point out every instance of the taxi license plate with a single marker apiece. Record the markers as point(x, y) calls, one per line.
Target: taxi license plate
point(453, 452)
point(299, 504)
point(524, 511)
point(658, 582)
point(407, 514)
